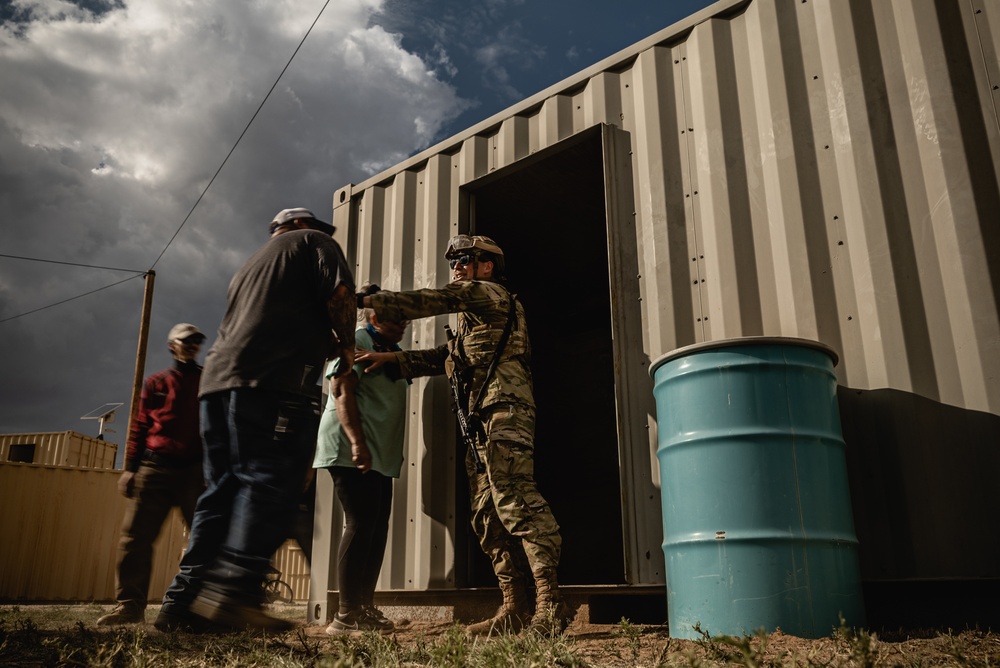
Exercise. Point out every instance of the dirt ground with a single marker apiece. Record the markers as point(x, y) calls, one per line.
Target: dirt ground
point(616, 645)
point(612, 645)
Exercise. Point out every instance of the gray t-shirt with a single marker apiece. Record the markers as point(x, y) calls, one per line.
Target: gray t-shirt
point(276, 331)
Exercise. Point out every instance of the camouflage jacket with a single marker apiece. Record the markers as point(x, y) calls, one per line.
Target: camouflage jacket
point(482, 308)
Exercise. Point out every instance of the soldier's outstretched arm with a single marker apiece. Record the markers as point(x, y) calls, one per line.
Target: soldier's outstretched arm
point(412, 363)
point(473, 296)
point(374, 359)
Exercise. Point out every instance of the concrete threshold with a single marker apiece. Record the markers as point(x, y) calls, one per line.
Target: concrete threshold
point(591, 604)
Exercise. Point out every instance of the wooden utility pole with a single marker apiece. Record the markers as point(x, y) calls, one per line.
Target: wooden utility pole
point(140, 355)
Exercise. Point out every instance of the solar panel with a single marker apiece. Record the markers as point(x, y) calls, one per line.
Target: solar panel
point(105, 412)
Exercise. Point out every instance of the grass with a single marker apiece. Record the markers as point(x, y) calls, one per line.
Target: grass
point(64, 635)
point(67, 636)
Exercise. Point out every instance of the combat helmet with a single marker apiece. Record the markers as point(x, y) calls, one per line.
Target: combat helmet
point(482, 246)
point(464, 243)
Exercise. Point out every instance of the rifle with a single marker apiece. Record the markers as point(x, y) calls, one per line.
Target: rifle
point(463, 422)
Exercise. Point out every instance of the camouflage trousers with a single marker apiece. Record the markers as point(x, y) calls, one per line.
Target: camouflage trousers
point(513, 522)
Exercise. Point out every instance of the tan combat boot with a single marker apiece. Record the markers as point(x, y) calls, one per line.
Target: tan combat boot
point(551, 616)
point(512, 614)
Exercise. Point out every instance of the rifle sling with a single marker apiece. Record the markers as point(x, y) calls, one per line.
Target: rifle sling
point(496, 355)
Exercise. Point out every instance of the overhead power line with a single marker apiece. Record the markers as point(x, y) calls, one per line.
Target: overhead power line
point(197, 202)
point(72, 264)
point(240, 138)
point(21, 315)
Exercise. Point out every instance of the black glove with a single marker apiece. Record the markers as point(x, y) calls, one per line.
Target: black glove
point(368, 290)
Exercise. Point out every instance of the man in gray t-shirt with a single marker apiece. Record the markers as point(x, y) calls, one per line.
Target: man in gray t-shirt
point(290, 307)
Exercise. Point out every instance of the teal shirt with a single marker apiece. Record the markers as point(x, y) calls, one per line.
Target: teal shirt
point(382, 404)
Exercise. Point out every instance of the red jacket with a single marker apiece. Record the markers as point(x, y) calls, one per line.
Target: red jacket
point(166, 423)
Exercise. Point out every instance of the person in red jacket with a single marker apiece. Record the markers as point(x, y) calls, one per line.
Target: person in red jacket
point(163, 469)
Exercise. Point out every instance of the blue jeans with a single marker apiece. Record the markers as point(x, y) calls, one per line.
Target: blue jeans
point(258, 449)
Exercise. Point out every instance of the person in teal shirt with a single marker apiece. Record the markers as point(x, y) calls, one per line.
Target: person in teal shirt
point(361, 443)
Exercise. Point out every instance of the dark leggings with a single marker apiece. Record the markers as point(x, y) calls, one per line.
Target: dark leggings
point(367, 500)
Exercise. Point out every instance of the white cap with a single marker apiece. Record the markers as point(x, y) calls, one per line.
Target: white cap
point(288, 215)
point(183, 330)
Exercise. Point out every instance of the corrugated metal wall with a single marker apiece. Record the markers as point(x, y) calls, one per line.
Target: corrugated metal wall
point(63, 448)
point(59, 534)
point(823, 169)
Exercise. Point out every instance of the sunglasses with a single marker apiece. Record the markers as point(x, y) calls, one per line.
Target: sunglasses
point(464, 260)
point(194, 339)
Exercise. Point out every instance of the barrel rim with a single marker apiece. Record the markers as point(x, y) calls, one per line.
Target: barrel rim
point(742, 341)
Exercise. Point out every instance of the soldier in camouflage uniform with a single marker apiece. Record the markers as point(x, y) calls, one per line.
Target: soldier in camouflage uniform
point(512, 520)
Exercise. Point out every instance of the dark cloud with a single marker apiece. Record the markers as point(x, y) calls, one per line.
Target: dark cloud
point(18, 15)
point(113, 122)
point(115, 117)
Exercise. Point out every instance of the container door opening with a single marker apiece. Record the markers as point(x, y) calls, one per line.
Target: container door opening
point(547, 212)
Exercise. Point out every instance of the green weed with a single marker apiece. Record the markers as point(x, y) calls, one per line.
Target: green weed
point(632, 635)
point(528, 649)
point(863, 647)
point(747, 651)
point(451, 650)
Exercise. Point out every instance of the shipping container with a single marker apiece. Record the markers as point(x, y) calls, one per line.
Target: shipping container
point(819, 169)
point(59, 534)
point(63, 448)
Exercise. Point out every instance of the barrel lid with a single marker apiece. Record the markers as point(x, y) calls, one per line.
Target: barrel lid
point(743, 341)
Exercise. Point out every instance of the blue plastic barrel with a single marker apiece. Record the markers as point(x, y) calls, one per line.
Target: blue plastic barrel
point(757, 524)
